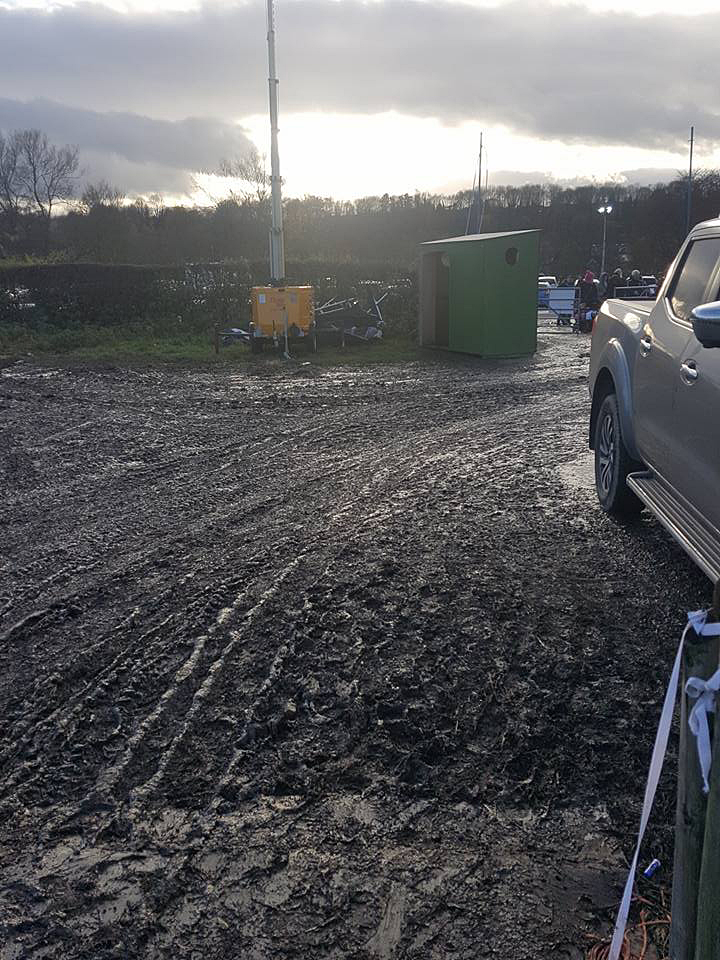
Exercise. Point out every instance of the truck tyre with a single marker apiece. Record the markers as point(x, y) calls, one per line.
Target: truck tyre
point(613, 463)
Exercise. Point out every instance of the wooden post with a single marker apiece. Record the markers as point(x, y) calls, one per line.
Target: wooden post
point(216, 338)
point(707, 935)
point(700, 660)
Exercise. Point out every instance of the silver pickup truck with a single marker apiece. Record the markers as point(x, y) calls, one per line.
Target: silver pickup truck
point(655, 388)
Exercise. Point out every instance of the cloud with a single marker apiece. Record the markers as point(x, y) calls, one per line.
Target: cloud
point(137, 179)
point(564, 73)
point(640, 177)
point(138, 153)
point(518, 178)
point(649, 176)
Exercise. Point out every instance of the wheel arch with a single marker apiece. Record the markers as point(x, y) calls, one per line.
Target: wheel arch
point(614, 377)
point(604, 384)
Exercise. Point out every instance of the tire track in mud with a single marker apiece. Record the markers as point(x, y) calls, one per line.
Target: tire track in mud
point(63, 721)
point(341, 464)
point(349, 465)
point(250, 502)
point(202, 698)
point(136, 661)
point(212, 809)
point(440, 471)
point(406, 466)
point(423, 443)
point(33, 593)
point(111, 777)
point(416, 486)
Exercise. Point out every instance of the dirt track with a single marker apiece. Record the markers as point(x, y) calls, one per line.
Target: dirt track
point(326, 664)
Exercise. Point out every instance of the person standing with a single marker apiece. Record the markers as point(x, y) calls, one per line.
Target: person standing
point(634, 280)
point(615, 280)
point(588, 303)
point(589, 291)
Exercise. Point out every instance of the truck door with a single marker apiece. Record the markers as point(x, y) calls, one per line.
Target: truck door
point(664, 338)
point(697, 421)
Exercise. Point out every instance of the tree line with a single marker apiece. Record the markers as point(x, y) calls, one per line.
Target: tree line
point(43, 213)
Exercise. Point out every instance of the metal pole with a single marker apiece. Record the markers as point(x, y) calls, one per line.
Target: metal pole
point(602, 260)
point(470, 207)
point(689, 184)
point(277, 248)
point(479, 180)
point(482, 209)
point(287, 344)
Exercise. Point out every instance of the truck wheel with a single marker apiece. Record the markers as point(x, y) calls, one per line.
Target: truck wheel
point(613, 463)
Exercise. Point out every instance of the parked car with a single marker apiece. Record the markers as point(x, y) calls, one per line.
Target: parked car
point(547, 280)
point(655, 388)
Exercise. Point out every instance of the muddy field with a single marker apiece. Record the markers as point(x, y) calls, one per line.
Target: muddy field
point(321, 663)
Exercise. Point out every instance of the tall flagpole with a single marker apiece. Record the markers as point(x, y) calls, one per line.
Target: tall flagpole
point(470, 207)
point(479, 183)
point(484, 198)
point(689, 183)
point(277, 246)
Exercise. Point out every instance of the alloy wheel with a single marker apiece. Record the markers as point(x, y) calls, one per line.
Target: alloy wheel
point(606, 454)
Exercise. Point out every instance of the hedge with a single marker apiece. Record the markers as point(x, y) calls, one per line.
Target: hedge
point(59, 295)
point(65, 294)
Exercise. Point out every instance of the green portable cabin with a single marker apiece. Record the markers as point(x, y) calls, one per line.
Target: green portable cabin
point(478, 294)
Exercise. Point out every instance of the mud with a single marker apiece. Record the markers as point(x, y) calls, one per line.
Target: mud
point(329, 663)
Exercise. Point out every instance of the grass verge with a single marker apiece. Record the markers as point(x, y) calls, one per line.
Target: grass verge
point(132, 346)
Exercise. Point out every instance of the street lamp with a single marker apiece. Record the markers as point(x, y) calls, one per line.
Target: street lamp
point(604, 210)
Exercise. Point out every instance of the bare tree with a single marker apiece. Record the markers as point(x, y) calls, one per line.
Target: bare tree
point(156, 205)
point(101, 194)
point(251, 170)
point(46, 174)
point(10, 198)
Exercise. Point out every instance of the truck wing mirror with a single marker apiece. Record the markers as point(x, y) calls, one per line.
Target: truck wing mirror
point(706, 323)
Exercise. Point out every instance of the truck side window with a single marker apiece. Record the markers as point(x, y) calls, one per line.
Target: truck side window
point(691, 280)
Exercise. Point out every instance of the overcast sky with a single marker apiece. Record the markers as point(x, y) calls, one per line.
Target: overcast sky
point(382, 96)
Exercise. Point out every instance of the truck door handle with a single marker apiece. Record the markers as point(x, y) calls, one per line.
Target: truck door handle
point(689, 371)
point(645, 346)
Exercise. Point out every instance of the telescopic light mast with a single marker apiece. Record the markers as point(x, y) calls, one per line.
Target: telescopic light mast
point(277, 244)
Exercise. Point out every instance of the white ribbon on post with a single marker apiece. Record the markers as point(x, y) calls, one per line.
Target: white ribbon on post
point(703, 692)
point(697, 620)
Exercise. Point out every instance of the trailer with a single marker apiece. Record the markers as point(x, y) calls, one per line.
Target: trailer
point(281, 315)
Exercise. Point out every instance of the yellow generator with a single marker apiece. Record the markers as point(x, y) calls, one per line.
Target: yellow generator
point(277, 309)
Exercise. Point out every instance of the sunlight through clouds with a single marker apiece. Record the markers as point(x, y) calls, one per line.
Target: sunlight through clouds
point(397, 154)
point(378, 97)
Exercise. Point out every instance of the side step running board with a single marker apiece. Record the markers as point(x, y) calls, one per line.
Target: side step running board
point(701, 542)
